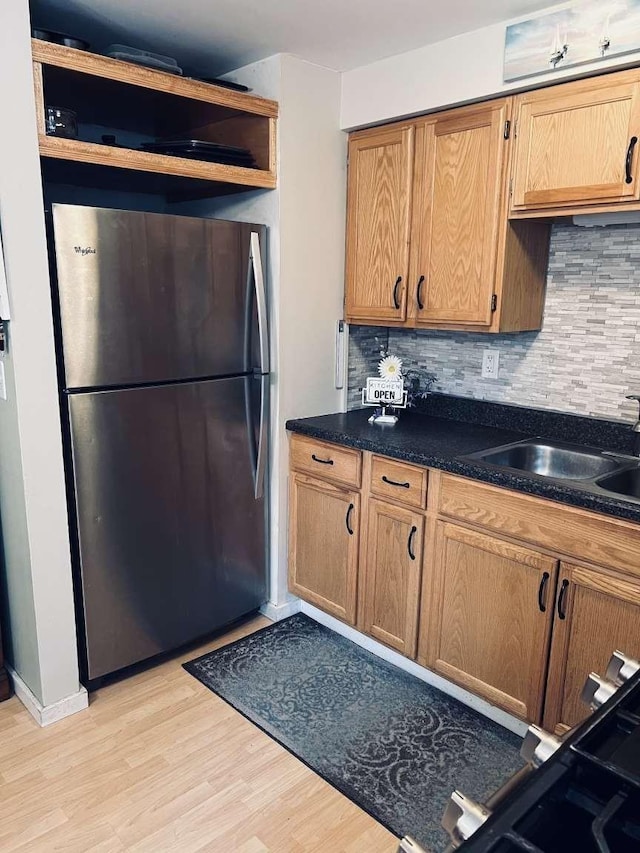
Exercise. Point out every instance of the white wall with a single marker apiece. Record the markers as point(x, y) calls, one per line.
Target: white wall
point(38, 585)
point(313, 165)
point(305, 216)
point(458, 70)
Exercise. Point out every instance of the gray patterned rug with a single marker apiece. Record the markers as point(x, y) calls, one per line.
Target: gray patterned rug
point(389, 742)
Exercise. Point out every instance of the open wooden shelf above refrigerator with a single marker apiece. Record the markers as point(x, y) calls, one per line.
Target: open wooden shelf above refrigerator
point(137, 105)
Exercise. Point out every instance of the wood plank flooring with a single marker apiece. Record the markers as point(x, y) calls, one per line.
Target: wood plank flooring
point(159, 763)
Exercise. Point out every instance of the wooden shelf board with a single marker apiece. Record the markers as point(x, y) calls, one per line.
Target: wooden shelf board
point(126, 158)
point(137, 75)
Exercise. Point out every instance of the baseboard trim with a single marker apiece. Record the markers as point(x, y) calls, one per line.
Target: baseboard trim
point(278, 612)
point(45, 715)
point(490, 711)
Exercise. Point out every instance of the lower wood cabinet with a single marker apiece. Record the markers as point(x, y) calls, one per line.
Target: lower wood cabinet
point(490, 618)
point(390, 576)
point(596, 613)
point(324, 522)
point(480, 584)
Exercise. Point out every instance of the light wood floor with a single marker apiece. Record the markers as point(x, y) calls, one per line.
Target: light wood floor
point(159, 763)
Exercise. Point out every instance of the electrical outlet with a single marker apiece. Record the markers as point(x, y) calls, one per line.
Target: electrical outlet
point(490, 360)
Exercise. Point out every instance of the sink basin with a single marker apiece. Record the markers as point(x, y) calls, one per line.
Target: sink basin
point(625, 483)
point(548, 459)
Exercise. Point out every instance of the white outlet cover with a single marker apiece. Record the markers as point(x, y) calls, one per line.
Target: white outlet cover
point(490, 363)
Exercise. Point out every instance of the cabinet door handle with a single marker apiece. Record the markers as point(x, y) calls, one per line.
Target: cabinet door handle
point(385, 479)
point(396, 302)
point(321, 461)
point(347, 520)
point(562, 600)
point(419, 293)
point(542, 604)
point(627, 163)
point(414, 530)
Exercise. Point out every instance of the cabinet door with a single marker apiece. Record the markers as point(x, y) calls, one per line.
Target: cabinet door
point(596, 613)
point(490, 619)
point(460, 174)
point(378, 207)
point(391, 576)
point(575, 145)
point(323, 545)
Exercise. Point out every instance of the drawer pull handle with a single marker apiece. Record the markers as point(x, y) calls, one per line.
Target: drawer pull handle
point(542, 604)
point(562, 599)
point(385, 479)
point(419, 293)
point(396, 302)
point(347, 520)
point(627, 163)
point(412, 555)
point(321, 461)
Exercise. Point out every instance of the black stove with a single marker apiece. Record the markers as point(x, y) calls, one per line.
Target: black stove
point(585, 797)
point(580, 794)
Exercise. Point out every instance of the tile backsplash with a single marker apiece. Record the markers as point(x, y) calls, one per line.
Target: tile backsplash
point(585, 359)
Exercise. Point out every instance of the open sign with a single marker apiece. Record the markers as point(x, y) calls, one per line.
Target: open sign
point(384, 392)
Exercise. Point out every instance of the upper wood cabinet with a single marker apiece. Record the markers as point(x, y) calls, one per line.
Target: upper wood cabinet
point(380, 169)
point(596, 613)
point(428, 240)
point(576, 144)
point(459, 179)
point(490, 618)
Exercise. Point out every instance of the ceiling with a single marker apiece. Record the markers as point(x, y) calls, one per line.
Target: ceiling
point(215, 36)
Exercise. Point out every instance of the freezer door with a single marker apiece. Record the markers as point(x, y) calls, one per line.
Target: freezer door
point(145, 297)
point(171, 536)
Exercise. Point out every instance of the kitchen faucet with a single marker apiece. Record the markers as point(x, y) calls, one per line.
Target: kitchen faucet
point(635, 427)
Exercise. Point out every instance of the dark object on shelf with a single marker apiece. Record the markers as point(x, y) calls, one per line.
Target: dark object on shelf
point(126, 53)
point(61, 122)
point(227, 84)
point(60, 38)
point(110, 139)
point(198, 149)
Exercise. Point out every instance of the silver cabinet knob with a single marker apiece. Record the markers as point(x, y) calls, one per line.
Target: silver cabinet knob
point(538, 745)
point(597, 690)
point(621, 668)
point(462, 817)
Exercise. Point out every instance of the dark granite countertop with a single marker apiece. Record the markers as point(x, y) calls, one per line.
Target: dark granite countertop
point(438, 439)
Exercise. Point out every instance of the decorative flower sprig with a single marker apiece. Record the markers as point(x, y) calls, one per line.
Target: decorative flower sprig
point(417, 385)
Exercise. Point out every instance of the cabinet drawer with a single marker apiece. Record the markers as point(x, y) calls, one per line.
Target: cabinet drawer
point(562, 529)
point(404, 483)
point(329, 461)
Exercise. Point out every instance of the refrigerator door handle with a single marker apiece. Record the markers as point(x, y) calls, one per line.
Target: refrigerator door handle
point(261, 301)
point(263, 438)
point(258, 448)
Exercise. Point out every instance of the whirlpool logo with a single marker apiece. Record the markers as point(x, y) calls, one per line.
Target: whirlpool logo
point(84, 250)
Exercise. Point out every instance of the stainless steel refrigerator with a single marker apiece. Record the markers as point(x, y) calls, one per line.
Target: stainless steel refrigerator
point(164, 366)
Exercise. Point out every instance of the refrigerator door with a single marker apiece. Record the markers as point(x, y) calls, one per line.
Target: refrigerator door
point(147, 298)
point(171, 537)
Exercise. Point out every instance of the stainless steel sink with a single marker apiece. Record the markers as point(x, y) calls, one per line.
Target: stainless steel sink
point(625, 483)
point(552, 459)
